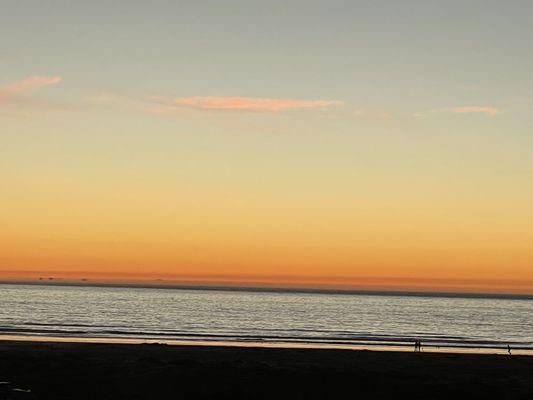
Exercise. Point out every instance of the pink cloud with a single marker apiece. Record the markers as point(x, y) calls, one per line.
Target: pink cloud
point(488, 110)
point(249, 103)
point(27, 85)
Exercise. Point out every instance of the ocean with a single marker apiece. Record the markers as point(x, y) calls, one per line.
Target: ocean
point(267, 317)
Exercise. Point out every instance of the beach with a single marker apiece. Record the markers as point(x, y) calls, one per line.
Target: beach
point(60, 370)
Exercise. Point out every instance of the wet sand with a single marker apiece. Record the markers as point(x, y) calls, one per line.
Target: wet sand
point(54, 370)
point(270, 344)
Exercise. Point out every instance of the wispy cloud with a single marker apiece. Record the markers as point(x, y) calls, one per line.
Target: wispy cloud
point(485, 110)
point(167, 105)
point(488, 110)
point(246, 104)
point(27, 85)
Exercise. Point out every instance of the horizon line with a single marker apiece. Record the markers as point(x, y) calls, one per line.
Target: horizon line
point(272, 289)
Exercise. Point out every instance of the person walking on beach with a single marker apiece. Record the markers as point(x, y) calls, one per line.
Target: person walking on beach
point(509, 349)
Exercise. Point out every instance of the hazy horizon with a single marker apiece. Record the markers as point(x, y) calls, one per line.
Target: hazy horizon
point(326, 284)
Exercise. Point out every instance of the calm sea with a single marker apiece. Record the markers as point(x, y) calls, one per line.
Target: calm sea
point(264, 316)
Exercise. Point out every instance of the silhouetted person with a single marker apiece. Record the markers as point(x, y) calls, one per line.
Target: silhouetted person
point(509, 349)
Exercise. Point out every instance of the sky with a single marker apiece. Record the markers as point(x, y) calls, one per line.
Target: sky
point(346, 144)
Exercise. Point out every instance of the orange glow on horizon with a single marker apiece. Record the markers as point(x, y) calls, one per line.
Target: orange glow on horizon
point(501, 286)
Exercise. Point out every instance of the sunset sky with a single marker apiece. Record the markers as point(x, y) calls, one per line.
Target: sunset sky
point(352, 144)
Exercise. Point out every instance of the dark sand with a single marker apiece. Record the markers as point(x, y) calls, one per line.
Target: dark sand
point(123, 371)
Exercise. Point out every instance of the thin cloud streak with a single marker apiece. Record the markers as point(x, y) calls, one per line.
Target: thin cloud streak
point(249, 103)
point(488, 110)
point(462, 110)
point(26, 85)
point(163, 105)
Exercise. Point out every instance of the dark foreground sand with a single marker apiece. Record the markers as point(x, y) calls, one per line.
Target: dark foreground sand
point(120, 371)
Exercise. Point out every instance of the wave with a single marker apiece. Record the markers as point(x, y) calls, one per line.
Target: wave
point(336, 338)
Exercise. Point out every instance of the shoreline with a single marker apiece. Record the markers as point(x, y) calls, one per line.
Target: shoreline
point(431, 349)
